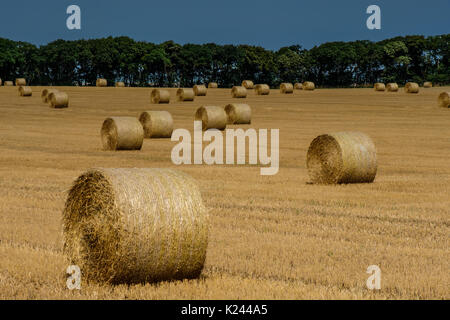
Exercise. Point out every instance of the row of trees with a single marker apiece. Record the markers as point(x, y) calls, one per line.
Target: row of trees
point(334, 64)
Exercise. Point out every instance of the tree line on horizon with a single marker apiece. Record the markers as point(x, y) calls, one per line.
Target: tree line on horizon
point(138, 63)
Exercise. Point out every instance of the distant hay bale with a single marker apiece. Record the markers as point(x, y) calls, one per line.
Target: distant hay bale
point(200, 90)
point(101, 83)
point(343, 157)
point(25, 91)
point(379, 86)
point(120, 84)
point(58, 99)
point(238, 92)
point(212, 117)
point(185, 94)
point(135, 225)
point(298, 86)
point(392, 87)
point(248, 84)
point(45, 93)
point(286, 88)
point(427, 84)
point(156, 124)
point(213, 85)
point(21, 82)
point(1, 82)
point(122, 133)
point(444, 100)
point(8, 84)
point(160, 96)
point(238, 113)
point(262, 89)
point(308, 85)
point(412, 87)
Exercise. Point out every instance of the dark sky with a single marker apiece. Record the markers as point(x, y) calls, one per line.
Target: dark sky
point(268, 23)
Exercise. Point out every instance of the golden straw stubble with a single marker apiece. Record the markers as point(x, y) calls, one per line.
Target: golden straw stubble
point(238, 113)
point(156, 124)
point(342, 157)
point(444, 100)
point(25, 91)
point(200, 90)
point(58, 99)
point(135, 225)
point(122, 133)
point(160, 96)
point(212, 117)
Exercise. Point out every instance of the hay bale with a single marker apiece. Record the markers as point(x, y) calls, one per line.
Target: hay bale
point(200, 90)
point(58, 99)
point(298, 86)
point(411, 87)
point(444, 100)
point(8, 84)
point(135, 225)
point(247, 84)
point(343, 157)
point(238, 113)
point(21, 82)
point(379, 86)
point(212, 117)
point(238, 92)
point(156, 124)
point(160, 96)
point(185, 94)
point(262, 89)
point(213, 85)
point(1, 82)
point(122, 133)
point(101, 83)
point(120, 84)
point(392, 87)
point(25, 91)
point(427, 84)
point(286, 88)
point(308, 85)
point(45, 93)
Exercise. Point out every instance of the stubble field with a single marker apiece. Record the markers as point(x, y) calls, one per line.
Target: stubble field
point(271, 237)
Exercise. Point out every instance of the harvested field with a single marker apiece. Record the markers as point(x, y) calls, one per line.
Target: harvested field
point(271, 237)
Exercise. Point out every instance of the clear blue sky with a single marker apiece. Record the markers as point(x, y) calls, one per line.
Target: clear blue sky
point(268, 23)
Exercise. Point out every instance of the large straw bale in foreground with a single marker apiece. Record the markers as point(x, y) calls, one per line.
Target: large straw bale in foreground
point(262, 89)
point(160, 96)
point(200, 90)
point(135, 225)
point(58, 99)
point(247, 84)
point(122, 133)
point(286, 88)
point(379, 86)
point(156, 124)
point(213, 85)
point(308, 85)
point(444, 100)
point(392, 87)
point(21, 82)
point(185, 94)
point(238, 113)
point(411, 87)
point(427, 84)
point(101, 83)
point(25, 91)
point(342, 157)
point(45, 93)
point(238, 92)
point(212, 117)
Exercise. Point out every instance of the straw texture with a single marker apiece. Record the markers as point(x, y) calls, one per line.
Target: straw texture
point(212, 117)
point(156, 124)
point(185, 94)
point(25, 91)
point(342, 157)
point(392, 87)
point(122, 133)
point(286, 88)
point(380, 86)
point(238, 113)
point(238, 92)
point(247, 84)
point(58, 99)
point(308, 85)
point(200, 90)
point(262, 89)
point(444, 100)
point(101, 83)
point(412, 87)
point(160, 96)
point(135, 226)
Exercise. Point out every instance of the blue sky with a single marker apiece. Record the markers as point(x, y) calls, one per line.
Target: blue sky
point(268, 23)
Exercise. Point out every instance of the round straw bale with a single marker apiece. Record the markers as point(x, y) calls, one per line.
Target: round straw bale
point(286, 88)
point(212, 117)
point(247, 84)
point(135, 225)
point(21, 82)
point(238, 92)
point(379, 86)
point(8, 83)
point(0, 82)
point(120, 84)
point(262, 89)
point(45, 93)
point(25, 91)
point(213, 85)
point(444, 100)
point(392, 87)
point(122, 133)
point(343, 157)
point(200, 90)
point(238, 113)
point(58, 99)
point(427, 84)
point(298, 86)
point(101, 83)
point(156, 124)
point(308, 85)
point(411, 87)
point(160, 96)
point(185, 94)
